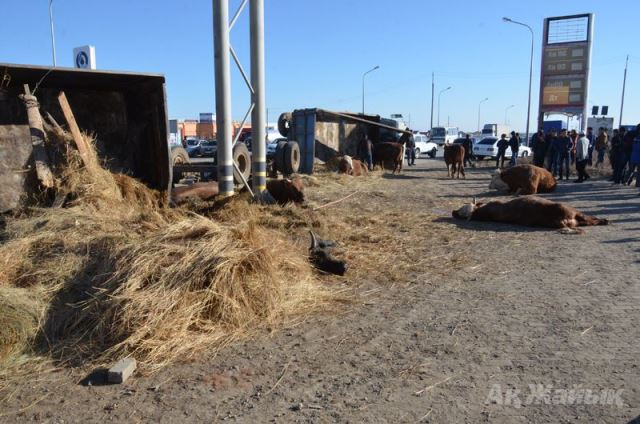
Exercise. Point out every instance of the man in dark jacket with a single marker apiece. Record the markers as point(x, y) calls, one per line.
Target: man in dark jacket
point(551, 153)
point(617, 155)
point(503, 143)
point(539, 146)
point(410, 147)
point(562, 150)
point(467, 143)
point(514, 143)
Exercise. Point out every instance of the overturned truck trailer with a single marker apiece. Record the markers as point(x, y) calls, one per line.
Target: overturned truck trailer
point(126, 112)
point(322, 134)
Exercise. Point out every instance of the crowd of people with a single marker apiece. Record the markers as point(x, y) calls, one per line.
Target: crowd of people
point(557, 152)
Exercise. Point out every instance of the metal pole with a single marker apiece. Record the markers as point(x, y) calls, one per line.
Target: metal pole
point(480, 104)
point(363, 75)
point(223, 96)
point(258, 116)
point(530, 71)
point(624, 86)
point(506, 121)
point(432, 88)
point(53, 37)
point(439, 94)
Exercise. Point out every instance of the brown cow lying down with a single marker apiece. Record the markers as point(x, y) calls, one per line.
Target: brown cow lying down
point(530, 211)
point(523, 179)
point(285, 191)
point(202, 191)
point(454, 157)
point(350, 166)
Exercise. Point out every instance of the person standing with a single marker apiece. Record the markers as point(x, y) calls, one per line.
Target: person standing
point(582, 157)
point(410, 146)
point(592, 140)
point(467, 143)
point(634, 167)
point(366, 151)
point(503, 143)
point(514, 144)
point(615, 156)
point(539, 147)
point(602, 142)
point(573, 135)
point(551, 150)
point(563, 149)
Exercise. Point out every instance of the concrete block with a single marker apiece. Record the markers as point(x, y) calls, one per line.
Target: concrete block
point(121, 371)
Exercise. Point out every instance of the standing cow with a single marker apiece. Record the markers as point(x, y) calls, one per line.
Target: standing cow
point(454, 157)
point(387, 153)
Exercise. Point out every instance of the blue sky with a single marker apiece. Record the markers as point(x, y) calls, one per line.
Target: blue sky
point(316, 52)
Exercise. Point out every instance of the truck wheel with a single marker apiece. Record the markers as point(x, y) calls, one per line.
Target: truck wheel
point(279, 156)
point(291, 157)
point(179, 156)
point(284, 123)
point(242, 158)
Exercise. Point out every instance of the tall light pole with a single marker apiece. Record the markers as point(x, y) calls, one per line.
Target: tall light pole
point(480, 104)
point(624, 84)
point(363, 75)
point(506, 121)
point(433, 84)
point(530, 71)
point(439, 94)
point(53, 37)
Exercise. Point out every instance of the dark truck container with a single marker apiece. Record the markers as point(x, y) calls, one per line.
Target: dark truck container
point(126, 111)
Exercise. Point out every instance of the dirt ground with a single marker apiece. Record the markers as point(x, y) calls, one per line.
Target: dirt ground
point(517, 310)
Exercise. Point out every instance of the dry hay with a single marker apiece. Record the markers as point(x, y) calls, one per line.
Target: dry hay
point(121, 275)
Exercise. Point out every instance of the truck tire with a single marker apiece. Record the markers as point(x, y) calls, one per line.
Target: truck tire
point(178, 156)
point(291, 158)
point(284, 123)
point(279, 156)
point(242, 158)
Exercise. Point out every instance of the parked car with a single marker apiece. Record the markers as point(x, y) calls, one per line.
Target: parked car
point(208, 148)
point(271, 147)
point(488, 147)
point(424, 147)
point(193, 147)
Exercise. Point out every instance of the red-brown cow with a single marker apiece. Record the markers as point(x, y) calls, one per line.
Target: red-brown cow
point(286, 191)
point(348, 165)
point(454, 157)
point(530, 211)
point(202, 191)
point(388, 153)
point(523, 179)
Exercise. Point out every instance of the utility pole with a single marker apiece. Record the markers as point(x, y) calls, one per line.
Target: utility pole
point(53, 37)
point(624, 86)
point(433, 83)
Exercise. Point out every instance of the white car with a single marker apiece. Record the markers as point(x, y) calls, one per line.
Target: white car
point(424, 147)
point(488, 147)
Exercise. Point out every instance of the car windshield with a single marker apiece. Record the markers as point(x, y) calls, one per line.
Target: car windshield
point(488, 141)
point(437, 132)
point(192, 142)
point(209, 143)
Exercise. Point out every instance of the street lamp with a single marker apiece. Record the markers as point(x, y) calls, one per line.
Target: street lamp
point(53, 37)
point(441, 91)
point(506, 121)
point(530, 70)
point(363, 75)
point(480, 104)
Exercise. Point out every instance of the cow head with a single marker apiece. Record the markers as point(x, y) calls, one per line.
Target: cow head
point(466, 211)
point(345, 165)
point(322, 259)
point(497, 183)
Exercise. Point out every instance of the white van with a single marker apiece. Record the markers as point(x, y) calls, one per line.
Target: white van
point(444, 135)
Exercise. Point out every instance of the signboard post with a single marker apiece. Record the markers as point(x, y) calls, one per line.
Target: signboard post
point(566, 63)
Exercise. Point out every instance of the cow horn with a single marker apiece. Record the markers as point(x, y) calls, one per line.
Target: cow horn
point(314, 241)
